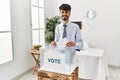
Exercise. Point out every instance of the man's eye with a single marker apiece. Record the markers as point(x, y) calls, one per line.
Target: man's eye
point(67, 11)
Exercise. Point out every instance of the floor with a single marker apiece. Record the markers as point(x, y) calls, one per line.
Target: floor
point(113, 71)
point(29, 76)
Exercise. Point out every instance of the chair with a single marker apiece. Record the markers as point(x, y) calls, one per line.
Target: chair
point(79, 23)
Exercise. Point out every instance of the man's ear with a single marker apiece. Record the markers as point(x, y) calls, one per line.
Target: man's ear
point(70, 12)
point(59, 13)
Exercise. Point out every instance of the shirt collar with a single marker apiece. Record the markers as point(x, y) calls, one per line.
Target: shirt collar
point(67, 23)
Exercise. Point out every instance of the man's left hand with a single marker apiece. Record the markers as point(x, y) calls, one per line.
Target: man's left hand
point(70, 44)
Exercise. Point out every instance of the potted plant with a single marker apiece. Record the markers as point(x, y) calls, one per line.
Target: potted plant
point(50, 28)
point(37, 46)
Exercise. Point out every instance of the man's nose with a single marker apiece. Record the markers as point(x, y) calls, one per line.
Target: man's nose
point(64, 13)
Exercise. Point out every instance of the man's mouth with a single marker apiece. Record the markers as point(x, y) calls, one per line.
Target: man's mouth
point(64, 16)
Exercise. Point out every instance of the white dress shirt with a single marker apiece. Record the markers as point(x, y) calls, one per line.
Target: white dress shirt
point(73, 34)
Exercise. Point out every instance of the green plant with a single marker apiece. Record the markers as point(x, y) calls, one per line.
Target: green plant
point(50, 28)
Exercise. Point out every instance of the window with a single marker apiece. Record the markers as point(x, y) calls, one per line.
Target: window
point(5, 32)
point(38, 29)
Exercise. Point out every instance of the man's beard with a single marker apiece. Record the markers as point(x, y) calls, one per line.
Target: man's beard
point(65, 18)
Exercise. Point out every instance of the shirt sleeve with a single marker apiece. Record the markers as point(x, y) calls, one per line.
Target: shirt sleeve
point(56, 34)
point(78, 39)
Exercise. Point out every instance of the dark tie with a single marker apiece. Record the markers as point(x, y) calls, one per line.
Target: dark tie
point(64, 31)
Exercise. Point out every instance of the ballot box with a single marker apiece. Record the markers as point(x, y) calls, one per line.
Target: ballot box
point(57, 63)
point(57, 58)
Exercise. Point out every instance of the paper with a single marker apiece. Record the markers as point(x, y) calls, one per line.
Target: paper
point(62, 43)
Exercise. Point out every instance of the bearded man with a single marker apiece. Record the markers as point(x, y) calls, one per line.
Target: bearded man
point(68, 30)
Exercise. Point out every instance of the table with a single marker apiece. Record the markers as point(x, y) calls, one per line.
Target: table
point(36, 55)
point(92, 64)
point(46, 74)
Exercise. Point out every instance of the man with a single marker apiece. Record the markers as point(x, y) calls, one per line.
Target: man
point(67, 29)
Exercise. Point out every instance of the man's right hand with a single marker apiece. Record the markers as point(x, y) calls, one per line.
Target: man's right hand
point(53, 43)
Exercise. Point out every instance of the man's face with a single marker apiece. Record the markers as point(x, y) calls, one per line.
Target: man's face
point(65, 14)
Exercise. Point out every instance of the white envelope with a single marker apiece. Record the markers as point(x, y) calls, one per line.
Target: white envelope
point(62, 43)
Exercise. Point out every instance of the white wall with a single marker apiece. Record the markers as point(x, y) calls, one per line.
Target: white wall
point(49, 11)
point(21, 31)
point(101, 32)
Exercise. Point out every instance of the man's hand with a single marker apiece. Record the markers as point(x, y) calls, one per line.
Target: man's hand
point(70, 44)
point(53, 43)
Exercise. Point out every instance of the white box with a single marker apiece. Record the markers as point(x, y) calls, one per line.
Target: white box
point(57, 59)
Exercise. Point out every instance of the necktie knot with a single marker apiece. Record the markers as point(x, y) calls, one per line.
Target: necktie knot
point(65, 25)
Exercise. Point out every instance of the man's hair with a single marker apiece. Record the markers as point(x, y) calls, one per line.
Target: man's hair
point(65, 7)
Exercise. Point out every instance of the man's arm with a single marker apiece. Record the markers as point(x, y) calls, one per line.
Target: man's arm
point(53, 43)
point(78, 39)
